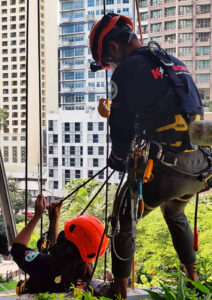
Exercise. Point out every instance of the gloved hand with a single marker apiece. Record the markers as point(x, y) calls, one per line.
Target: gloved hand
point(116, 163)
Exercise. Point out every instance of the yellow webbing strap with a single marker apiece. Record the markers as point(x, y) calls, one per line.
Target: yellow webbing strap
point(20, 288)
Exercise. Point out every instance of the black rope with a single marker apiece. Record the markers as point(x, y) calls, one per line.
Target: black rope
point(99, 190)
point(26, 111)
point(40, 110)
point(96, 261)
point(107, 155)
point(79, 187)
point(196, 210)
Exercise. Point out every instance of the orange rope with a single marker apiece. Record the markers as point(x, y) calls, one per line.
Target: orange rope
point(139, 21)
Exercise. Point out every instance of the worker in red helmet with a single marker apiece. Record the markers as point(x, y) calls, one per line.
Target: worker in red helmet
point(69, 261)
point(154, 99)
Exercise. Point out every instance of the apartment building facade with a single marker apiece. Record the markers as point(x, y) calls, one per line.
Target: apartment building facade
point(13, 77)
point(77, 149)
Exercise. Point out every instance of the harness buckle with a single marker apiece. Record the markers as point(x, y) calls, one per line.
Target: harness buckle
point(169, 160)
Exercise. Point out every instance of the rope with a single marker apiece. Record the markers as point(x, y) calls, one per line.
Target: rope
point(40, 109)
point(99, 190)
point(139, 21)
point(96, 261)
point(27, 116)
point(107, 155)
point(79, 187)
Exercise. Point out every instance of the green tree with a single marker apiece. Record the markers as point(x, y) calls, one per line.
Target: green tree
point(3, 118)
point(17, 196)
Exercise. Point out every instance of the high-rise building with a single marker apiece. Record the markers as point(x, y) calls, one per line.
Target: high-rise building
point(13, 22)
point(77, 134)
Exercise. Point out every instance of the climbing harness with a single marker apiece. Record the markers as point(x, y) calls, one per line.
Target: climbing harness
point(21, 287)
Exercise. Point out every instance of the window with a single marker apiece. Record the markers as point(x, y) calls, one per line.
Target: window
point(185, 10)
point(203, 9)
point(23, 154)
point(90, 173)
point(14, 155)
point(90, 150)
point(156, 14)
point(6, 154)
point(77, 174)
point(185, 51)
point(55, 161)
point(185, 37)
point(184, 24)
point(156, 27)
point(203, 37)
point(90, 126)
point(95, 138)
point(155, 2)
point(77, 138)
point(170, 38)
point(73, 28)
point(51, 172)
point(51, 150)
point(171, 11)
point(202, 50)
point(203, 78)
point(95, 162)
point(101, 150)
point(77, 126)
point(67, 126)
point(55, 185)
point(72, 150)
point(72, 162)
point(202, 64)
point(101, 175)
point(91, 97)
point(203, 23)
point(55, 138)
point(101, 126)
point(67, 138)
point(90, 3)
point(143, 3)
point(170, 25)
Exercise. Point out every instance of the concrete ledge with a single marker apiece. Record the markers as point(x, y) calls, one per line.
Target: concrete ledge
point(133, 294)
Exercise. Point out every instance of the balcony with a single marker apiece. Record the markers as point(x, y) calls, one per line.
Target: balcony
point(90, 17)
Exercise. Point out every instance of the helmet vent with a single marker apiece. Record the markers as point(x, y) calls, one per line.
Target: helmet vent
point(91, 255)
point(72, 227)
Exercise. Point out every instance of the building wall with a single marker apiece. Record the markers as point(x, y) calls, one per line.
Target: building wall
point(76, 148)
point(13, 73)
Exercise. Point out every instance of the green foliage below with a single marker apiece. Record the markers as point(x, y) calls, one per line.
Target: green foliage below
point(17, 196)
point(155, 257)
point(155, 252)
point(8, 285)
point(75, 294)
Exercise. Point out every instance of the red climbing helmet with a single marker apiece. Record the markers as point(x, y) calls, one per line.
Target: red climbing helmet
point(85, 232)
point(110, 26)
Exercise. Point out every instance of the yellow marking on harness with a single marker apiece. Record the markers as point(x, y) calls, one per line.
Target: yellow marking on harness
point(147, 207)
point(20, 287)
point(177, 144)
point(182, 200)
point(179, 125)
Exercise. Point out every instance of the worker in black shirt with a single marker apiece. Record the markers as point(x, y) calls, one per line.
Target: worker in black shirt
point(154, 99)
point(70, 259)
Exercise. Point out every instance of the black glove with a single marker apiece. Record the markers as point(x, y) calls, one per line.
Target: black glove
point(116, 164)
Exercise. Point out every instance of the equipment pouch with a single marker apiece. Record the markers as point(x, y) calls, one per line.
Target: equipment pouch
point(206, 177)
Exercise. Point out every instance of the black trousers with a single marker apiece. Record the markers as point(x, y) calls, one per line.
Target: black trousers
point(171, 192)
